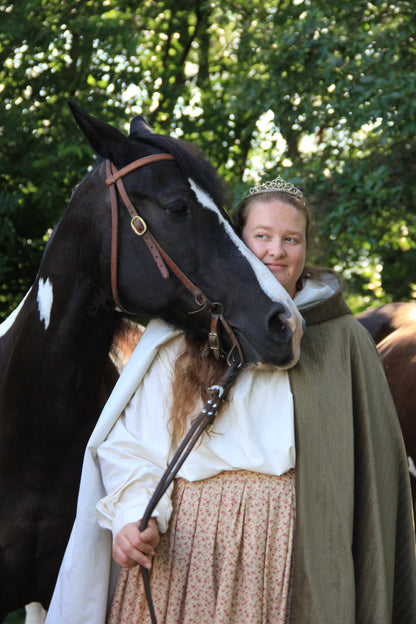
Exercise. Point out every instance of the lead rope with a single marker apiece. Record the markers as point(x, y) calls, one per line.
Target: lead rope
point(206, 418)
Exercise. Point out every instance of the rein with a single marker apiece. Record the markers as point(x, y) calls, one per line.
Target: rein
point(161, 258)
point(205, 419)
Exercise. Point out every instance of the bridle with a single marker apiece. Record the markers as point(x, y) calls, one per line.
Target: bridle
point(235, 360)
point(162, 259)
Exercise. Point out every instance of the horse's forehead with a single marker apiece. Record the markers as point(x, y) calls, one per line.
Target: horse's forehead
point(205, 199)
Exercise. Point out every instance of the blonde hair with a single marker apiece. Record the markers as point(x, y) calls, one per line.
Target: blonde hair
point(196, 368)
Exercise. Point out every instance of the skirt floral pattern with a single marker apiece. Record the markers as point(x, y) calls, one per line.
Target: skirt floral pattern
point(225, 559)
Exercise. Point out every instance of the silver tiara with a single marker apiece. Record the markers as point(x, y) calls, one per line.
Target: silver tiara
point(276, 185)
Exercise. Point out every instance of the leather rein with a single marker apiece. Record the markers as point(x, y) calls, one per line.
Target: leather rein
point(204, 420)
point(162, 259)
point(217, 392)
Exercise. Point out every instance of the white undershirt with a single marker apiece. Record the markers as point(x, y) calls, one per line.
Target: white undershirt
point(254, 431)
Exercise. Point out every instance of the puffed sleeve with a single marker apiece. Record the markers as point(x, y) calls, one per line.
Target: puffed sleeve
point(136, 452)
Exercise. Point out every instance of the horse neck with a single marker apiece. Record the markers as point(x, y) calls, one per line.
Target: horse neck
point(81, 320)
point(58, 353)
point(71, 296)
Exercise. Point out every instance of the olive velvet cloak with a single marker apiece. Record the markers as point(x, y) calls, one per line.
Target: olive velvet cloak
point(354, 557)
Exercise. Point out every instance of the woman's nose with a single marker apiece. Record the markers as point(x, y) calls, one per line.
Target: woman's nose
point(276, 248)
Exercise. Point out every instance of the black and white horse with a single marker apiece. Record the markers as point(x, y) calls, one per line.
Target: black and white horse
point(175, 256)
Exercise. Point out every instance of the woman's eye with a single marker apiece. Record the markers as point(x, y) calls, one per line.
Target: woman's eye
point(178, 208)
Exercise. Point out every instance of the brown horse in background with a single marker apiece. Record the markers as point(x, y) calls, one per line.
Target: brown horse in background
point(393, 328)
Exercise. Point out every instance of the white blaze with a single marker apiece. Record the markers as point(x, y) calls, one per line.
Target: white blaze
point(412, 467)
point(45, 300)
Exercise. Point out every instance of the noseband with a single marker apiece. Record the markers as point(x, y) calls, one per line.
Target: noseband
point(161, 258)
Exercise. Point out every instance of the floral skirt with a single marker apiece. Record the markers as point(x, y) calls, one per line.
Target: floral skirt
point(225, 559)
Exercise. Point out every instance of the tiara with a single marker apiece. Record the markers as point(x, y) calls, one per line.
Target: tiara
point(276, 185)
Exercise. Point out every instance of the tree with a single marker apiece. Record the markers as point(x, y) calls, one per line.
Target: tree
point(319, 93)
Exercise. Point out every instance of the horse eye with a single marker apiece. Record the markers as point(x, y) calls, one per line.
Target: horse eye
point(177, 209)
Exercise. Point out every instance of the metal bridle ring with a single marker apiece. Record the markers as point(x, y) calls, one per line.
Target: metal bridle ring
point(134, 227)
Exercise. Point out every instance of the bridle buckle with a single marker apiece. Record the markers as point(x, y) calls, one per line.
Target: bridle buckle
point(142, 224)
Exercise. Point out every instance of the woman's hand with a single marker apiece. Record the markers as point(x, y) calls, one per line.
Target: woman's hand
point(132, 546)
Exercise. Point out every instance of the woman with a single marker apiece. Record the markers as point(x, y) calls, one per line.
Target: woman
point(239, 539)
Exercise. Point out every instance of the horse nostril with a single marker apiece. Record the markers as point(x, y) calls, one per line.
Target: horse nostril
point(275, 322)
point(278, 325)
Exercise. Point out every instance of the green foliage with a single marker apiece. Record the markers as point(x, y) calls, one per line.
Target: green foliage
point(17, 617)
point(322, 93)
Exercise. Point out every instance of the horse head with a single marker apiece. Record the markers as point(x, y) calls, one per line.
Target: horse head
point(179, 200)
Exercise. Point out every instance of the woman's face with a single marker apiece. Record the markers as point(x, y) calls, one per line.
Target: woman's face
point(276, 233)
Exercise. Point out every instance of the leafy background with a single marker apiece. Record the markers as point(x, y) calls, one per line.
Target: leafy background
point(319, 92)
point(17, 617)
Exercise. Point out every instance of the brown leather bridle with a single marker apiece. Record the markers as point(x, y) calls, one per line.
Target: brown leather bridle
point(234, 358)
point(114, 181)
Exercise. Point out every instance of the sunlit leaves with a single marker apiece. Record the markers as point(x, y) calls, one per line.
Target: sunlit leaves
point(320, 92)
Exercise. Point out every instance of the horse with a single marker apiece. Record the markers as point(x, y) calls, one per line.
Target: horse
point(382, 320)
point(172, 253)
point(393, 328)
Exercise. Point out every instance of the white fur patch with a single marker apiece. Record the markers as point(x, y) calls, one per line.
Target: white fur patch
point(45, 300)
point(8, 322)
point(412, 467)
point(266, 279)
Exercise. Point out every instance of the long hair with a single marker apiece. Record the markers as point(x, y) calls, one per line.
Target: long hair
point(195, 371)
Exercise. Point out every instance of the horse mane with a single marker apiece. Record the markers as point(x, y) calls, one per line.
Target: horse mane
point(191, 160)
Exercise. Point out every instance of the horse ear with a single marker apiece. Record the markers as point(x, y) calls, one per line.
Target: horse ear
point(139, 127)
point(103, 138)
